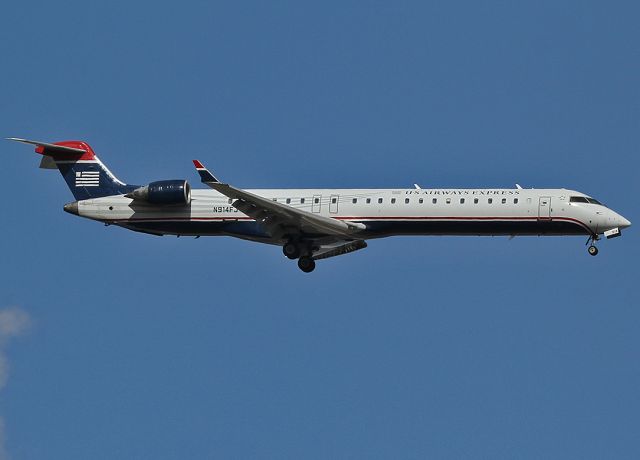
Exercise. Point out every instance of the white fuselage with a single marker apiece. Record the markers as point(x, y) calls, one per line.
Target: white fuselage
point(384, 212)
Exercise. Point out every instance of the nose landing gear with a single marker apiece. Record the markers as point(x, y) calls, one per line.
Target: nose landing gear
point(592, 249)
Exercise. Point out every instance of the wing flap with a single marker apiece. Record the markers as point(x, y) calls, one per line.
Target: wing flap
point(346, 248)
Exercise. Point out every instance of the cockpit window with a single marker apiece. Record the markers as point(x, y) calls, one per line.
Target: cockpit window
point(584, 199)
point(578, 199)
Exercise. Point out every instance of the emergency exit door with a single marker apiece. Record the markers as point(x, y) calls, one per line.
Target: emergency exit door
point(333, 204)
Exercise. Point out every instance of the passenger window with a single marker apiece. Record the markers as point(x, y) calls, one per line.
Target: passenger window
point(355, 200)
point(380, 200)
point(504, 201)
point(421, 201)
point(288, 200)
point(231, 201)
point(448, 200)
point(334, 200)
point(515, 201)
point(393, 200)
point(274, 199)
point(368, 200)
point(528, 200)
point(461, 200)
point(490, 200)
point(475, 201)
point(434, 201)
point(406, 201)
point(301, 200)
point(316, 200)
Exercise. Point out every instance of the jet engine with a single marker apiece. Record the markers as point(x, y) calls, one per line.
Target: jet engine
point(164, 192)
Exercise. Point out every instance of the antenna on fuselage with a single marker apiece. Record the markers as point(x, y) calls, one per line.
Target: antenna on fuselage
point(518, 187)
point(417, 187)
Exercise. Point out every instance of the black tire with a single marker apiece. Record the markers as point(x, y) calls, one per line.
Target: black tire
point(593, 250)
point(306, 264)
point(290, 250)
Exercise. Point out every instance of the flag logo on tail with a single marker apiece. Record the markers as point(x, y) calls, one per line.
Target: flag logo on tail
point(87, 178)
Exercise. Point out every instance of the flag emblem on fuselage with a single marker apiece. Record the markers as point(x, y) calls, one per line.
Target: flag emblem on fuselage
point(87, 178)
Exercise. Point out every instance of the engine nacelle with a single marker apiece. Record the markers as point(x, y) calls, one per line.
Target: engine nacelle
point(164, 192)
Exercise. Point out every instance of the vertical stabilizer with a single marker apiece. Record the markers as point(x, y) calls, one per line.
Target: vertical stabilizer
point(85, 175)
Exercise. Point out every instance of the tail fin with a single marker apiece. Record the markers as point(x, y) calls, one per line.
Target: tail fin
point(86, 176)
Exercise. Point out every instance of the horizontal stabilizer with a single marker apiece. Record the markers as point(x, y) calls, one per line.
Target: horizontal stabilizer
point(46, 148)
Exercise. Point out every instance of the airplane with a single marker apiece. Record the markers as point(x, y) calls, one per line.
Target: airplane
point(315, 224)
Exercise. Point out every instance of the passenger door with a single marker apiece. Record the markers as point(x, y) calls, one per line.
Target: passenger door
point(544, 208)
point(315, 204)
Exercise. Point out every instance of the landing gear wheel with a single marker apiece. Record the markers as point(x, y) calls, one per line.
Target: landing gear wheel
point(593, 250)
point(292, 251)
point(306, 264)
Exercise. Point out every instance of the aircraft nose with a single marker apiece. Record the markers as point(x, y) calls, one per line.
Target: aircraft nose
point(71, 208)
point(624, 223)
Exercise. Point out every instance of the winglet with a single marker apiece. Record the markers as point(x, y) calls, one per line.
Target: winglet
point(205, 175)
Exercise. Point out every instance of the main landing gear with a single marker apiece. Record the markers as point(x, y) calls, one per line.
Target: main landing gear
point(306, 264)
point(293, 250)
point(592, 249)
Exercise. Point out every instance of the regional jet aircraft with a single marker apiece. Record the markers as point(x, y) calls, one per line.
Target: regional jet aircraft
point(314, 224)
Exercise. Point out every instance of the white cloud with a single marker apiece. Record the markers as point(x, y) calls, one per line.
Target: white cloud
point(13, 322)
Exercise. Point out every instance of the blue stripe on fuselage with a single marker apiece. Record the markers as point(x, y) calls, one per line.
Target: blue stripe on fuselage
point(375, 229)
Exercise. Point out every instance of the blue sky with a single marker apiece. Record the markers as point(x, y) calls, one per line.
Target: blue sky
point(145, 347)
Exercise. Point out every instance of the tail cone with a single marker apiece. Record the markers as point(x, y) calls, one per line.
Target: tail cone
point(71, 208)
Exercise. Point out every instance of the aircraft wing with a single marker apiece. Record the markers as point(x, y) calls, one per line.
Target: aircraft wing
point(278, 218)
